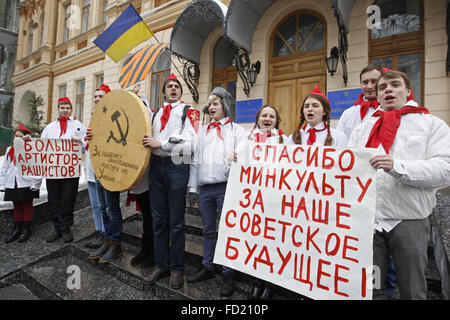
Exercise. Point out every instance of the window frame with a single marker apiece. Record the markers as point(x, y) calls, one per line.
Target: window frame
point(399, 45)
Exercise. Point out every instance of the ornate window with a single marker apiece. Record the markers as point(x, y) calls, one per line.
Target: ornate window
point(160, 72)
point(399, 41)
point(85, 15)
point(67, 12)
point(30, 38)
point(225, 72)
point(300, 33)
point(79, 108)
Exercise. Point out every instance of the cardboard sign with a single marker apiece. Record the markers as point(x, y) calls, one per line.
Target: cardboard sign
point(301, 217)
point(48, 158)
point(119, 122)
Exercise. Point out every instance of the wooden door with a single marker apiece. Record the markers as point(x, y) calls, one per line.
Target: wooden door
point(288, 95)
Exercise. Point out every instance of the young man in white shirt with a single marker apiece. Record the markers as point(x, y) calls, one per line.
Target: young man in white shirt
point(209, 173)
point(366, 104)
point(62, 193)
point(174, 127)
point(414, 162)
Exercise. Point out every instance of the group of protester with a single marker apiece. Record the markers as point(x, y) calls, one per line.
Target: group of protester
point(413, 163)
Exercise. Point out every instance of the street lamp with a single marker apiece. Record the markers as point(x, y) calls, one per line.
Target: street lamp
point(252, 73)
point(332, 61)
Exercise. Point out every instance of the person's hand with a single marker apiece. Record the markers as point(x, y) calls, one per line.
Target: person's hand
point(382, 161)
point(150, 142)
point(136, 88)
point(26, 137)
point(76, 139)
point(89, 134)
point(192, 199)
point(233, 156)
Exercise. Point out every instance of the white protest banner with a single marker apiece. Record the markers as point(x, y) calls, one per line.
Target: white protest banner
point(48, 158)
point(301, 217)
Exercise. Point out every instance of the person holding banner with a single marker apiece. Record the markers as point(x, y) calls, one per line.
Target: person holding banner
point(62, 193)
point(20, 190)
point(314, 127)
point(168, 178)
point(365, 107)
point(209, 173)
point(97, 240)
point(414, 162)
point(266, 128)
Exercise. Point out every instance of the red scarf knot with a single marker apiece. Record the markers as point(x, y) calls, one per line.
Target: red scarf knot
point(366, 105)
point(217, 125)
point(385, 129)
point(165, 117)
point(63, 125)
point(312, 134)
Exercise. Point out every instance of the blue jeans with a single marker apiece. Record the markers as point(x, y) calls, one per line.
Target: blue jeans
point(210, 203)
point(168, 186)
point(109, 203)
point(97, 215)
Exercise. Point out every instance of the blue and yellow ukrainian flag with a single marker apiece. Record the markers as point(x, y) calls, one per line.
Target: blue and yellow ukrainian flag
point(123, 34)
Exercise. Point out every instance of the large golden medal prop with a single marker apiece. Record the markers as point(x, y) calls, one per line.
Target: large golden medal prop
point(119, 123)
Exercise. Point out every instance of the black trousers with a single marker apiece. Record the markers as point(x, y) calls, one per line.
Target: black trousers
point(62, 194)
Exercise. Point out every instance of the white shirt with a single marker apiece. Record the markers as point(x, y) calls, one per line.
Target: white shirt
point(351, 118)
point(210, 162)
point(74, 129)
point(421, 153)
point(9, 175)
point(172, 129)
point(338, 138)
point(273, 139)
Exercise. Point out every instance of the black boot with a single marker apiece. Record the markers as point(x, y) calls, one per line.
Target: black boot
point(26, 231)
point(227, 288)
point(100, 251)
point(114, 252)
point(145, 257)
point(16, 233)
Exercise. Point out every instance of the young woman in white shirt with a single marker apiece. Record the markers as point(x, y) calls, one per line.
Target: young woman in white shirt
point(20, 190)
point(314, 127)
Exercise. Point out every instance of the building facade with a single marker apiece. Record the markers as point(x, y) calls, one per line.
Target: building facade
point(9, 26)
point(216, 43)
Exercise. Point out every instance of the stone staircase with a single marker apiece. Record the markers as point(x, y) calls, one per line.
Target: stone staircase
point(36, 270)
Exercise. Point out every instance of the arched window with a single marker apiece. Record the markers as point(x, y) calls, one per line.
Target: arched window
point(398, 43)
point(300, 33)
point(225, 72)
point(160, 72)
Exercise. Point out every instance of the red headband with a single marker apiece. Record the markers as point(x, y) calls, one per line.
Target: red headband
point(103, 87)
point(64, 99)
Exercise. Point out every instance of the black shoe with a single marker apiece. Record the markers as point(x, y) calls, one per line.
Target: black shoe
point(96, 241)
point(100, 251)
point(227, 288)
point(176, 280)
point(114, 252)
point(203, 274)
point(54, 236)
point(67, 236)
point(26, 232)
point(157, 274)
point(16, 233)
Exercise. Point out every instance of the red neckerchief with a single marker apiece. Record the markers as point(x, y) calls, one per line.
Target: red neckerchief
point(365, 105)
point(87, 143)
point(63, 125)
point(165, 117)
point(312, 134)
point(11, 155)
point(217, 125)
point(385, 129)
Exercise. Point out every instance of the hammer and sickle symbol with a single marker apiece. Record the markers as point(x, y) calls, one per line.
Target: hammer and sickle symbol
point(123, 137)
